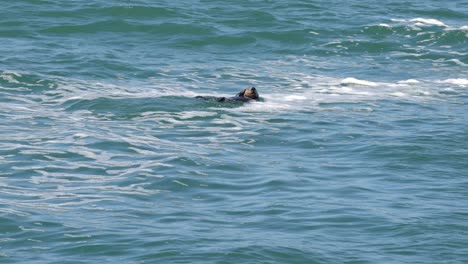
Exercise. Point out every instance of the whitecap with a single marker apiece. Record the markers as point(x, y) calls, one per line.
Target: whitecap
point(428, 22)
point(460, 82)
point(194, 114)
point(354, 81)
point(10, 77)
point(271, 105)
point(458, 62)
point(409, 81)
point(295, 98)
point(398, 20)
point(384, 25)
point(398, 94)
point(80, 135)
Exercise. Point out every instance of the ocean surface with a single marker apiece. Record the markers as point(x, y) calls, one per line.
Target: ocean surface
point(358, 152)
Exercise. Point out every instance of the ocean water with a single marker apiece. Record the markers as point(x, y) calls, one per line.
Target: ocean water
point(358, 152)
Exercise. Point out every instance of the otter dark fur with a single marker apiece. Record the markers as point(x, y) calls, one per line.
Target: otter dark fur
point(246, 95)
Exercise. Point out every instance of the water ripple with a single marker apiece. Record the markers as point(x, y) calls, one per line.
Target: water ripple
point(356, 153)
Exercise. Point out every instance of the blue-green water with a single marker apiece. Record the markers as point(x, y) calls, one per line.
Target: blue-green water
point(358, 153)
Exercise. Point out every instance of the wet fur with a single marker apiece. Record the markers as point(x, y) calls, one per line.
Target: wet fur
point(246, 95)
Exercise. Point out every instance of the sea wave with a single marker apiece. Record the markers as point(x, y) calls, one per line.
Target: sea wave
point(122, 26)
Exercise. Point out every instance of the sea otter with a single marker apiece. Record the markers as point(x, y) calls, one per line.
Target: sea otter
point(247, 95)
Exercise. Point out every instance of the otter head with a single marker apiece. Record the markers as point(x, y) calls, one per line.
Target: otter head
point(250, 92)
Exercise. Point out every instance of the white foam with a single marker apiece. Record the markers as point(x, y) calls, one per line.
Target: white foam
point(354, 81)
point(384, 25)
point(427, 22)
point(458, 62)
point(398, 94)
point(80, 135)
point(321, 89)
point(295, 98)
point(419, 22)
point(10, 77)
point(346, 90)
point(409, 81)
point(460, 82)
point(270, 105)
point(193, 114)
point(303, 92)
point(70, 89)
point(398, 20)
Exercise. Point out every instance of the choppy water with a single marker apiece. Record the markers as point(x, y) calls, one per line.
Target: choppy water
point(358, 153)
